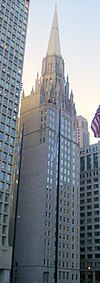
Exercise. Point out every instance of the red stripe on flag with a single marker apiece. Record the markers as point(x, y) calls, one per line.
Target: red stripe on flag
point(95, 125)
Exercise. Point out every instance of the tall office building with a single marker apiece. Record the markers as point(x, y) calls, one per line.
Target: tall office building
point(90, 213)
point(36, 237)
point(83, 137)
point(13, 26)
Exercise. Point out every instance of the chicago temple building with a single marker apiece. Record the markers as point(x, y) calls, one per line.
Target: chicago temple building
point(48, 235)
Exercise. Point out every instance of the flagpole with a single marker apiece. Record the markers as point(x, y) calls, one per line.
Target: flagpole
point(16, 210)
point(57, 203)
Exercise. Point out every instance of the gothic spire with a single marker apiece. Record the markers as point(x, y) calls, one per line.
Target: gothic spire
point(54, 40)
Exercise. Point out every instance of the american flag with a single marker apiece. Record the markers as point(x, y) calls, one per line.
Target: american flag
point(95, 125)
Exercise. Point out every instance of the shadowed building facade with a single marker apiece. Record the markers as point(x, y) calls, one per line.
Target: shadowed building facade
point(36, 224)
point(90, 213)
point(83, 137)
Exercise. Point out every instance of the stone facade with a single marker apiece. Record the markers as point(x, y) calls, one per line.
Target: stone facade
point(36, 225)
point(83, 137)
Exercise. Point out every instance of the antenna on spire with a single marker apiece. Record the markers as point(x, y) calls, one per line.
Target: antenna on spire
point(55, 5)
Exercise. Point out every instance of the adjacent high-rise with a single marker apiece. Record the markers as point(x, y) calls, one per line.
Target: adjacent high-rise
point(36, 236)
point(13, 26)
point(90, 213)
point(83, 137)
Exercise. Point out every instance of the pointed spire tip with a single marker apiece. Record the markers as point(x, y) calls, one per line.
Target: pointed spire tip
point(54, 40)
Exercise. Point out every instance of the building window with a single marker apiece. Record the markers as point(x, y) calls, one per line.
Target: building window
point(88, 162)
point(82, 163)
point(45, 276)
point(95, 160)
point(63, 274)
point(59, 274)
point(67, 275)
point(1, 185)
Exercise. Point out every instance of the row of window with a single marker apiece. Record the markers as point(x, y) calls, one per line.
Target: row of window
point(89, 264)
point(89, 174)
point(89, 187)
point(83, 256)
point(90, 249)
point(88, 181)
point(4, 208)
point(89, 242)
point(66, 275)
point(87, 164)
point(4, 197)
point(18, 8)
point(89, 200)
point(89, 227)
point(89, 234)
point(15, 22)
point(8, 120)
point(62, 275)
point(83, 208)
point(88, 150)
point(89, 213)
point(89, 220)
point(88, 194)
point(6, 176)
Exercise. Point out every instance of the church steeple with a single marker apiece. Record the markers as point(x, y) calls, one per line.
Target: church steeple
point(54, 40)
point(52, 86)
point(52, 78)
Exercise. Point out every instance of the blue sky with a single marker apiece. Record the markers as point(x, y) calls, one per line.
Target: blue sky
point(79, 25)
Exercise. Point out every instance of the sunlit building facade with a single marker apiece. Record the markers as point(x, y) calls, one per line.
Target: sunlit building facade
point(36, 224)
point(13, 26)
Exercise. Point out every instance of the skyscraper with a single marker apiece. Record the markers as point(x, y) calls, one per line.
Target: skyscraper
point(90, 213)
point(83, 138)
point(44, 131)
point(13, 26)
